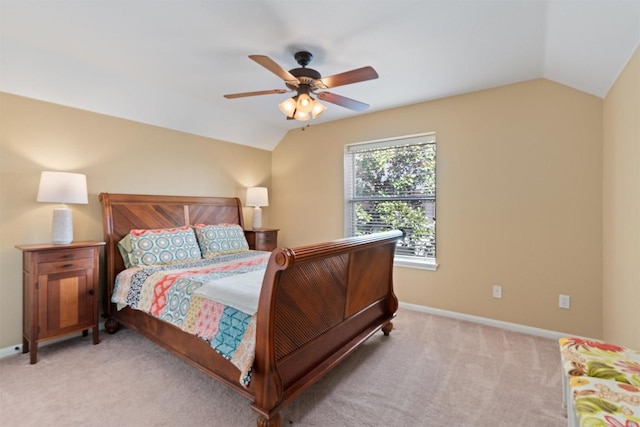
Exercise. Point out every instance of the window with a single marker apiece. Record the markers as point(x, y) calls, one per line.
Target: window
point(391, 184)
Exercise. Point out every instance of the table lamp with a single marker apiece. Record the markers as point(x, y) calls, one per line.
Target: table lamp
point(256, 197)
point(62, 187)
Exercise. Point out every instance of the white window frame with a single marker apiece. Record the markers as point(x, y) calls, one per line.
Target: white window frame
point(399, 260)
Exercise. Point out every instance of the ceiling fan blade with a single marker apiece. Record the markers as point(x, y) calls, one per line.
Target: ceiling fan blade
point(348, 77)
point(276, 69)
point(343, 101)
point(260, 92)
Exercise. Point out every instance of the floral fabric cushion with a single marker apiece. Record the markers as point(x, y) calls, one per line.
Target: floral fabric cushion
point(599, 359)
point(220, 239)
point(160, 246)
point(604, 403)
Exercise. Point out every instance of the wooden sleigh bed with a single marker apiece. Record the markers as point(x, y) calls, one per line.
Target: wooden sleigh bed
point(317, 302)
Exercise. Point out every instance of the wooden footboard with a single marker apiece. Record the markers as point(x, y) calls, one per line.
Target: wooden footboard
point(318, 302)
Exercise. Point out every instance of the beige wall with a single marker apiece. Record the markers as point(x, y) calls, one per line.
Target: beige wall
point(118, 156)
point(520, 170)
point(519, 180)
point(622, 208)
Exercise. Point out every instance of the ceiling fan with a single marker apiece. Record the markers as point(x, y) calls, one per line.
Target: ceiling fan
point(307, 81)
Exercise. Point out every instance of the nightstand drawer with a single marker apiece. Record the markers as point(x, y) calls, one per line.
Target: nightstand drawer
point(65, 255)
point(62, 266)
point(262, 239)
point(267, 239)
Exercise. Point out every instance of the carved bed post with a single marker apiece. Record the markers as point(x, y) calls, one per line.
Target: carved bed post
point(110, 325)
point(393, 299)
point(268, 384)
point(387, 328)
point(273, 422)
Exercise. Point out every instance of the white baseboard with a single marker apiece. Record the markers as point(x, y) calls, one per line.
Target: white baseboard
point(17, 349)
point(12, 350)
point(486, 321)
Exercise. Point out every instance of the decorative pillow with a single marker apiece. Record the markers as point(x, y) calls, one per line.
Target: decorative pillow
point(161, 246)
point(221, 239)
point(124, 246)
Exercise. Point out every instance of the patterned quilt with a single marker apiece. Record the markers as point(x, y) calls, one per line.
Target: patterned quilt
point(167, 292)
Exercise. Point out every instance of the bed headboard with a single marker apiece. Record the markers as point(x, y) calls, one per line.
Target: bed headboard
point(123, 212)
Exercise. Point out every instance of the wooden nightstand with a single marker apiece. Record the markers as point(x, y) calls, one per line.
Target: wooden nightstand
point(60, 292)
point(262, 239)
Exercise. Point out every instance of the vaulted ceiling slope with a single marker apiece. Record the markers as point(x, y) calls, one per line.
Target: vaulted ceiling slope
point(169, 63)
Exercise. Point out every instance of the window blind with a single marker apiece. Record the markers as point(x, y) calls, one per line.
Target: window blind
point(390, 184)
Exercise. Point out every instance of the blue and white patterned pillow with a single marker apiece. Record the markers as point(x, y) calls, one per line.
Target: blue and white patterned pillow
point(220, 239)
point(162, 246)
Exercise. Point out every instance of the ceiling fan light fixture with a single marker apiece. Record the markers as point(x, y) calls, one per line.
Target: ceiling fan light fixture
point(311, 108)
point(304, 103)
point(288, 106)
point(301, 116)
point(317, 109)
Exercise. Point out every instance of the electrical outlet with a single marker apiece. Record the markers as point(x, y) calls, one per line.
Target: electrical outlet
point(564, 301)
point(497, 291)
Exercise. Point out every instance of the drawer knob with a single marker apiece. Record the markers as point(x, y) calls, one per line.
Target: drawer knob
point(67, 265)
point(91, 292)
point(68, 256)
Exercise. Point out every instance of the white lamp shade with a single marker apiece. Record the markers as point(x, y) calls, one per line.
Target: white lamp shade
point(288, 107)
point(318, 109)
point(301, 116)
point(63, 187)
point(304, 103)
point(257, 196)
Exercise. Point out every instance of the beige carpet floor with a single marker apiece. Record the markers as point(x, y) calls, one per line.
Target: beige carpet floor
point(431, 371)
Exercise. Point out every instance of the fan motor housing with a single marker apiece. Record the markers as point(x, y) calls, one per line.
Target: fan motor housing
point(307, 76)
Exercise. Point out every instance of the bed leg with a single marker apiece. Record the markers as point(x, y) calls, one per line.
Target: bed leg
point(274, 421)
point(387, 328)
point(111, 326)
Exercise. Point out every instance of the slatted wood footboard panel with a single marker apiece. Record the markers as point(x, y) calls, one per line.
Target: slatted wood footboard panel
point(326, 299)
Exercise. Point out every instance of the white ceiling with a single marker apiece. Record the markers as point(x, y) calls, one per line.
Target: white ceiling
point(168, 63)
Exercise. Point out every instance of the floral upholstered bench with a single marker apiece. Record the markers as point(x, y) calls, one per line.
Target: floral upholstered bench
point(601, 383)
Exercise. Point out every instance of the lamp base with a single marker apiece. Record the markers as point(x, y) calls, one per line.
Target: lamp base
point(62, 226)
point(257, 217)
